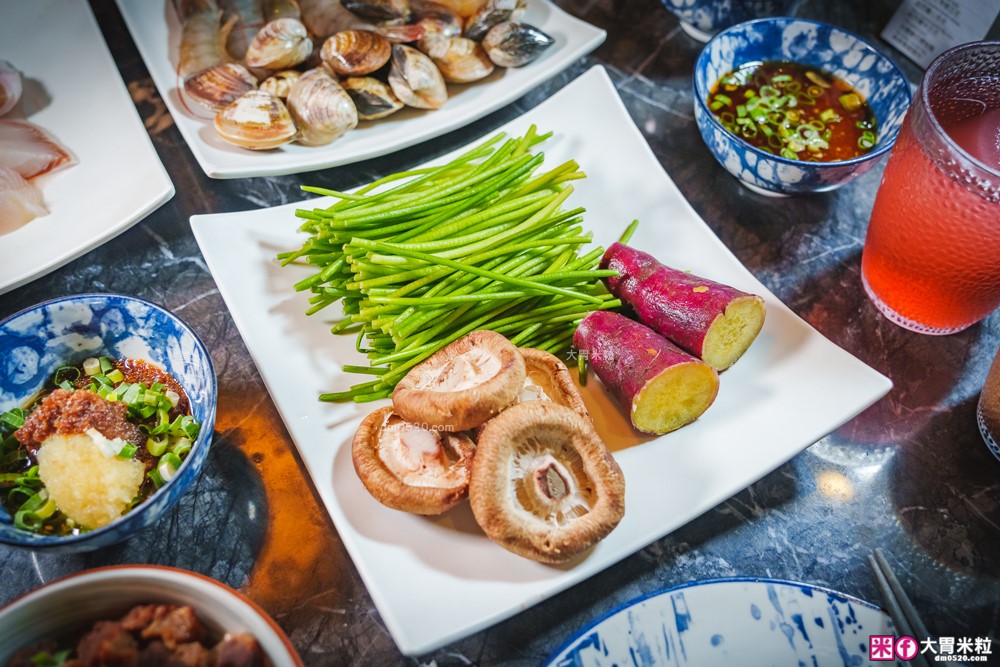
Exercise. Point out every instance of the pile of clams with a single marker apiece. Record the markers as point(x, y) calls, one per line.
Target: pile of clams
point(277, 71)
point(507, 429)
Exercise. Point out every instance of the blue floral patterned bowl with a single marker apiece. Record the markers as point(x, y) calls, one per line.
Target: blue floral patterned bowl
point(703, 18)
point(37, 341)
point(824, 46)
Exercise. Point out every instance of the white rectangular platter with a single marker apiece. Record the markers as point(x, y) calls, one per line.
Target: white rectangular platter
point(436, 580)
point(156, 29)
point(73, 90)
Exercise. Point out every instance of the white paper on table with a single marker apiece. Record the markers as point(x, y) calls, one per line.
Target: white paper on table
point(923, 29)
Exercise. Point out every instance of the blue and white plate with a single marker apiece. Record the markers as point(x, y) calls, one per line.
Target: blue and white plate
point(732, 622)
point(63, 332)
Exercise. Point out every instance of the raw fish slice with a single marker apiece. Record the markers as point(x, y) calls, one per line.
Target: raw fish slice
point(20, 201)
point(11, 87)
point(29, 150)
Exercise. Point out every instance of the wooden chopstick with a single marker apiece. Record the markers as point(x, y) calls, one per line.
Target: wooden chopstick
point(904, 615)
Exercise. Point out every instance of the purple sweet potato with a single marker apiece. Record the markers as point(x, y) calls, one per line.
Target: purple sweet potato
point(662, 386)
point(710, 320)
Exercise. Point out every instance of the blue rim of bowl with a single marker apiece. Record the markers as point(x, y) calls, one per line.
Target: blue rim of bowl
point(43, 541)
point(879, 150)
point(704, 582)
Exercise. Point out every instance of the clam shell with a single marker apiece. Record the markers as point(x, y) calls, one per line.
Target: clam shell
point(379, 10)
point(356, 52)
point(492, 13)
point(515, 44)
point(256, 120)
point(321, 108)
point(218, 87)
point(374, 99)
point(437, 23)
point(11, 87)
point(415, 79)
point(281, 43)
point(461, 60)
point(280, 84)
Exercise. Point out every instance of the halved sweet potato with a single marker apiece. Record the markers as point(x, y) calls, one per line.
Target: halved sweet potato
point(662, 386)
point(710, 320)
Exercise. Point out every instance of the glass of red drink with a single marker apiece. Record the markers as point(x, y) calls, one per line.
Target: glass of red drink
point(931, 260)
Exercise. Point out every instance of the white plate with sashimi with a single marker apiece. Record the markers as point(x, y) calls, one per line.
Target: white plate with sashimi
point(85, 167)
point(438, 578)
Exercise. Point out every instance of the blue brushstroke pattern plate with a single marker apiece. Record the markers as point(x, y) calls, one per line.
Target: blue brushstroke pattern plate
point(63, 332)
point(732, 622)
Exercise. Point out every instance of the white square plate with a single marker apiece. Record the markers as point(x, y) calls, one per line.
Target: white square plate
point(436, 580)
point(156, 29)
point(81, 100)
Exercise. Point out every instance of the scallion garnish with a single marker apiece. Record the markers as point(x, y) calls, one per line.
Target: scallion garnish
point(781, 98)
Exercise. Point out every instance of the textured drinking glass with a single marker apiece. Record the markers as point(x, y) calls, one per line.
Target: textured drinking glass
point(988, 413)
point(931, 260)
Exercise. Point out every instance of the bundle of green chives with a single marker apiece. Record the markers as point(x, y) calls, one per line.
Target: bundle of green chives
point(421, 258)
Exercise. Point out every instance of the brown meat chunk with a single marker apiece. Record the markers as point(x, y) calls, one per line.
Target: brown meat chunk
point(184, 655)
point(69, 412)
point(108, 645)
point(168, 623)
point(239, 650)
point(140, 616)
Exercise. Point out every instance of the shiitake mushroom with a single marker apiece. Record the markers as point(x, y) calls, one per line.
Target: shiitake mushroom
point(546, 379)
point(462, 385)
point(411, 468)
point(543, 484)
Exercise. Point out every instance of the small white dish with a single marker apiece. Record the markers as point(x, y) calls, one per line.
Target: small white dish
point(74, 603)
point(73, 90)
point(731, 623)
point(437, 580)
point(156, 29)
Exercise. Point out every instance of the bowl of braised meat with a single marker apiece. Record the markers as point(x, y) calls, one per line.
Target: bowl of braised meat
point(140, 615)
point(107, 405)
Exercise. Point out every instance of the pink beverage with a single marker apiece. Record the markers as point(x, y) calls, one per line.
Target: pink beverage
point(931, 261)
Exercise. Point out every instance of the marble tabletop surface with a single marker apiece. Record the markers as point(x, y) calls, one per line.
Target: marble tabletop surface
point(910, 475)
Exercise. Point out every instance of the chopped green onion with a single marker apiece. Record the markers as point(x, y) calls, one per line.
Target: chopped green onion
point(817, 79)
point(154, 476)
point(128, 451)
point(116, 375)
point(106, 365)
point(851, 101)
point(156, 446)
point(92, 366)
point(173, 397)
point(12, 419)
point(28, 520)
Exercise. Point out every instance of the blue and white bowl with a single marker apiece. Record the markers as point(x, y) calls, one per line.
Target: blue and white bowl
point(38, 340)
point(703, 18)
point(820, 45)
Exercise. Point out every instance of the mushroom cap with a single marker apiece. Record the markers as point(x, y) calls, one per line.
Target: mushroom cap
point(543, 484)
point(462, 385)
point(411, 485)
point(547, 379)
